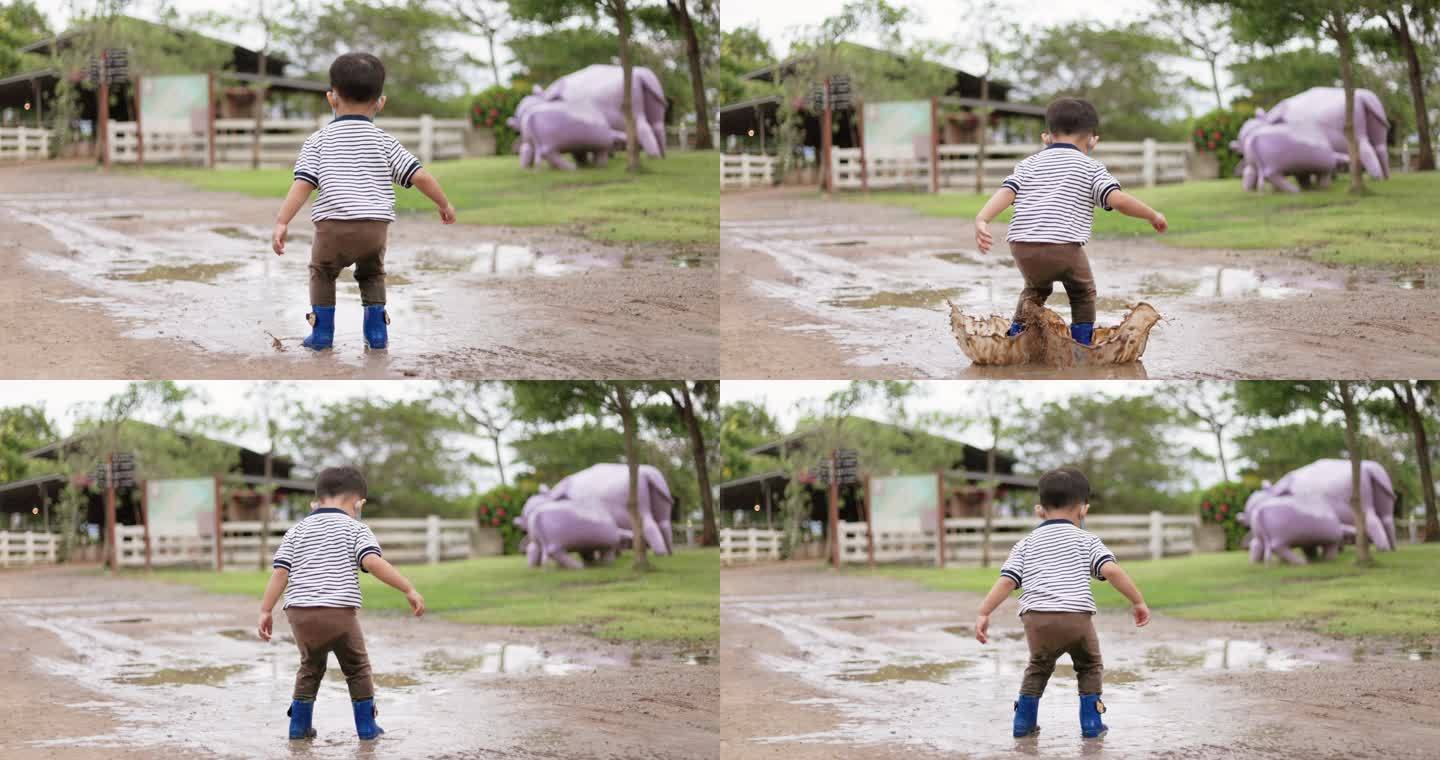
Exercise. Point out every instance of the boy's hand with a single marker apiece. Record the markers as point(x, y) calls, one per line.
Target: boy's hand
point(417, 602)
point(983, 239)
point(277, 238)
point(447, 214)
point(1142, 615)
point(267, 622)
point(982, 629)
point(1159, 223)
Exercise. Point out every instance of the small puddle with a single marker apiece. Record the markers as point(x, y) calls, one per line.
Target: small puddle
point(850, 617)
point(119, 621)
point(1413, 282)
point(499, 658)
point(695, 658)
point(239, 234)
point(212, 675)
point(926, 671)
point(1112, 675)
point(915, 299)
point(206, 273)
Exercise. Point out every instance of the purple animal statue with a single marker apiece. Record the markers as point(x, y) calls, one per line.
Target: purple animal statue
point(609, 486)
point(1273, 151)
point(1324, 107)
point(550, 129)
point(602, 85)
point(557, 528)
point(1305, 134)
point(1279, 524)
point(1290, 512)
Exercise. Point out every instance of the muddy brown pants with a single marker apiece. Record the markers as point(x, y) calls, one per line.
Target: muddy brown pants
point(320, 631)
point(339, 244)
point(1044, 264)
point(1051, 634)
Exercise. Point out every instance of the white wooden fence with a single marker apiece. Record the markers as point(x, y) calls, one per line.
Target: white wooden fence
point(746, 170)
point(749, 545)
point(430, 139)
point(27, 548)
point(1151, 536)
point(402, 540)
point(24, 143)
point(1146, 163)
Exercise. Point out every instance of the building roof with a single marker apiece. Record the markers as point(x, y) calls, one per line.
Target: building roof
point(63, 39)
point(964, 80)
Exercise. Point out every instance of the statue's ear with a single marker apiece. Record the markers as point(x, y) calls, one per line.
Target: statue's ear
point(535, 90)
point(1259, 113)
point(1264, 484)
point(544, 488)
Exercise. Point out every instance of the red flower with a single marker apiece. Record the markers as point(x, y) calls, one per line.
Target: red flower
point(496, 112)
point(1224, 508)
point(1215, 135)
point(1200, 132)
point(1205, 504)
point(1211, 144)
point(500, 511)
point(495, 521)
point(1219, 518)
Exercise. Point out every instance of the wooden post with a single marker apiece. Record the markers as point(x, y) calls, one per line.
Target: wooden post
point(1157, 535)
point(432, 539)
point(219, 514)
point(110, 553)
point(869, 525)
point(103, 106)
point(427, 139)
point(765, 496)
point(35, 94)
point(211, 120)
point(940, 517)
point(827, 182)
point(145, 519)
point(864, 169)
point(1148, 168)
point(139, 136)
point(834, 512)
point(934, 145)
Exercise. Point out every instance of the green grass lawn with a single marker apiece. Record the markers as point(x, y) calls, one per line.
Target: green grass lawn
point(673, 201)
point(1399, 598)
point(1394, 224)
point(678, 600)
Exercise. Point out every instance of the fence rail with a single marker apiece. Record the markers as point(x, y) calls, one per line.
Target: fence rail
point(749, 545)
point(403, 540)
point(24, 143)
point(746, 170)
point(28, 548)
point(1146, 163)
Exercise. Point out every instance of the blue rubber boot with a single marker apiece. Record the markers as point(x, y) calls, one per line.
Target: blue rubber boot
point(1090, 709)
point(1015, 329)
point(365, 724)
point(1081, 332)
point(322, 328)
point(1026, 720)
point(300, 713)
point(376, 333)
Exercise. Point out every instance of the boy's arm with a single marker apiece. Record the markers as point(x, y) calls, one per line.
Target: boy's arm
point(381, 568)
point(1129, 205)
point(426, 183)
point(997, 596)
point(1116, 575)
point(299, 193)
point(998, 202)
point(273, 590)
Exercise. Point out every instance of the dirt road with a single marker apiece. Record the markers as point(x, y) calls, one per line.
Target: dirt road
point(144, 670)
point(126, 277)
point(814, 288)
point(818, 665)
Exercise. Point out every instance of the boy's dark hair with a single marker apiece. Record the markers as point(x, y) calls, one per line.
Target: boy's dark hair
point(340, 481)
point(357, 77)
point(1067, 116)
point(1064, 488)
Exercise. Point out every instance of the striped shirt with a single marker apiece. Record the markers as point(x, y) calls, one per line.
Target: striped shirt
point(1056, 192)
point(1053, 566)
point(354, 165)
point(322, 553)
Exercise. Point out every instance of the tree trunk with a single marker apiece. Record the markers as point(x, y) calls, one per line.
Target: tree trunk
point(1411, 406)
point(1401, 30)
point(262, 91)
point(680, 10)
point(989, 493)
point(1352, 443)
point(1220, 447)
point(1215, 84)
point(709, 535)
point(620, 10)
point(1340, 26)
point(494, 65)
point(632, 498)
point(267, 499)
point(499, 458)
point(980, 138)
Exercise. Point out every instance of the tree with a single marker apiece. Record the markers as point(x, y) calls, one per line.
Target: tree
point(489, 19)
point(994, 407)
point(273, 402)
point(986, 27)
point(21, 23)
point(22, 429)
point(1425, 14)
point(485, 404)
point(1205, 31)
point(744, 425)
point(1273, 450)
point(680, 12)
point(1210, 405)
point(742, 50)
point(1410, 401)
point(1281, 399)
point(690, 402)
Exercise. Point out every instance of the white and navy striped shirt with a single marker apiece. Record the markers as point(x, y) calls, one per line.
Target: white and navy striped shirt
point(354, 165)
point(1053, 566)
point(1056, 192)
point(322, 553)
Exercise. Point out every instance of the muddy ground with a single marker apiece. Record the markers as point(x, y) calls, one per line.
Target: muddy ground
point(814, 288)
point(121, 276)
point(818, 665)
point(91, 667)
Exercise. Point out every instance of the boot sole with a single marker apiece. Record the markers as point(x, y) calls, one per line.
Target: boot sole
point(310, 734)
point(1033, 732)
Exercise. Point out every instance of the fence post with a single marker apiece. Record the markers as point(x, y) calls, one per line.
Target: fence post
point(432, 539)
point(1404, 156)
point(427, 138)
point(20, 141)
point(4, 548)
point(29, 547)
point(1157, 535)
point(1149, 170)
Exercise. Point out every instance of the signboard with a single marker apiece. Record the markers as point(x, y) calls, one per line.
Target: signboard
point(180, 507)
point(176, 104)
point(901, 128)
point(124, 468)
point(903, 502)
point(841, 96)
point(117, 67)
point(847, 468)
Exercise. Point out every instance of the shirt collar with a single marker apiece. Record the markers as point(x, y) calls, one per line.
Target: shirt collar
point(1071, 146)
point(353, 117)
point(1055, 521)
point(329, 511)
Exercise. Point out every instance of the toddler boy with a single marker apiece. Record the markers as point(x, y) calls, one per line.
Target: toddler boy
point(1054, 565)
point(354, 165)
point(315, 568)
point(1055, 192)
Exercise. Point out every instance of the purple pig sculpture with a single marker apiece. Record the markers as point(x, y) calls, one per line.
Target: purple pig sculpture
point(609, 485)
point(1278, 524)
point(1324, 107)
point(1305, 134)
point(1293, 511)
point(1273, 151)
point(557, 528)
point(602, 86)
point(549, 129)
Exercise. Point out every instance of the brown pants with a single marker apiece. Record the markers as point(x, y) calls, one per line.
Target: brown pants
point(320, 631)
point(1044, 264)
point(1051, 634)
point(339, 244)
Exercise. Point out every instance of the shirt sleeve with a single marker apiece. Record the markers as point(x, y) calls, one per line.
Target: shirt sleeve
point(1014, 567)
point(365, 543)
point(1099, 556)
point(1102, 184)
point(1016, 178)
point(403, 164)
point(307, 166)
point(286, 552)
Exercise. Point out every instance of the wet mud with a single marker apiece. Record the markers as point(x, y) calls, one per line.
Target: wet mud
point(815, 288)
point(166, 276)
point(121, 668)
point(847, 666)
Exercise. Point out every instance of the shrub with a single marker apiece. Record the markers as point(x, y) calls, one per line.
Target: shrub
point(1222, 504)
point(498, 508)
point(493, 107)
point(1214, 131)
